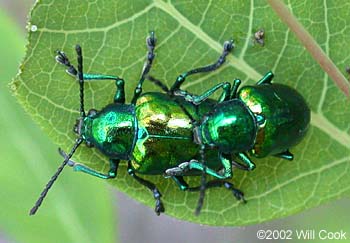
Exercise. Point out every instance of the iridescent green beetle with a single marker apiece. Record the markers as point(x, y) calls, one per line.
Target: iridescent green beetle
point(152, 132)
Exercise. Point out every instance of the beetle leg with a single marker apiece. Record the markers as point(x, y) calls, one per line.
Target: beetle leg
point(120, 93)
point(249, 163)
point(234, 89)
point(111, 174)
point(79, 167)
point(285, 155)
point(180, 181)
point(266, 79)
point(227, 165)
point(239, 195)
point(156, 194)
point(63, 59)
point(179, 170)
point(151, 44)
point(218, 183)
point(183, 168)
point(197, 99)
point(71, 70)
point(228, 46)
point(210, 184)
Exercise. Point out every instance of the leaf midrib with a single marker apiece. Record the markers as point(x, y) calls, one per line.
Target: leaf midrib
point(318, 120)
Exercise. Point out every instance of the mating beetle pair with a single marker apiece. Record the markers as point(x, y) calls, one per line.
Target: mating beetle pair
point(152, 131)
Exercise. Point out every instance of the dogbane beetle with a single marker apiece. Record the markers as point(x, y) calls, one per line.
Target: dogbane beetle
point(152, 131)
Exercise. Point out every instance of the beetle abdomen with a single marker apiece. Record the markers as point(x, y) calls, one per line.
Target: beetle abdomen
point(286, 115)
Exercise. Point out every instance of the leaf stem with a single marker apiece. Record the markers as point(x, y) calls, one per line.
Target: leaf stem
point(311, 45)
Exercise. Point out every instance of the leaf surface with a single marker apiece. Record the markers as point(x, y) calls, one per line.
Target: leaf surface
point(28, 159)
point(190, 34)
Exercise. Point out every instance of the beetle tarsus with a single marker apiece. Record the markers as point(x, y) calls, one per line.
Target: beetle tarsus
point(62, 58)
point(178, 170)
point(159, 205)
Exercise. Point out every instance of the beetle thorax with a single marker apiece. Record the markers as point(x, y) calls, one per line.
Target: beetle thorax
point(112, 130)
point(231, 127)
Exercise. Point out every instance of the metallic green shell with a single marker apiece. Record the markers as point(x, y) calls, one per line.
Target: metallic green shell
point(112, 130)
point(231, 126)
point(286, 114)
point(165, 134)
point(157, 134)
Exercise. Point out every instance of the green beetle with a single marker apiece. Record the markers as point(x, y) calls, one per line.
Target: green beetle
point(263, 119)
point(152, 131)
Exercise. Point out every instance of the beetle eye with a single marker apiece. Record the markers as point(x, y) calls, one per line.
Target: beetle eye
point(92, 112)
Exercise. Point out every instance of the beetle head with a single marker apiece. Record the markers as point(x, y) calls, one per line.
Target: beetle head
point(79, 126)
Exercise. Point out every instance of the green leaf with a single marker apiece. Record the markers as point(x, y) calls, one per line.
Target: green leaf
point(190, 34)
point(28, 159)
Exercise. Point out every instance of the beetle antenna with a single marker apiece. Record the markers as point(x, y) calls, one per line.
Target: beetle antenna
point(203, 182)
point(54, 177)
point(81, 79)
